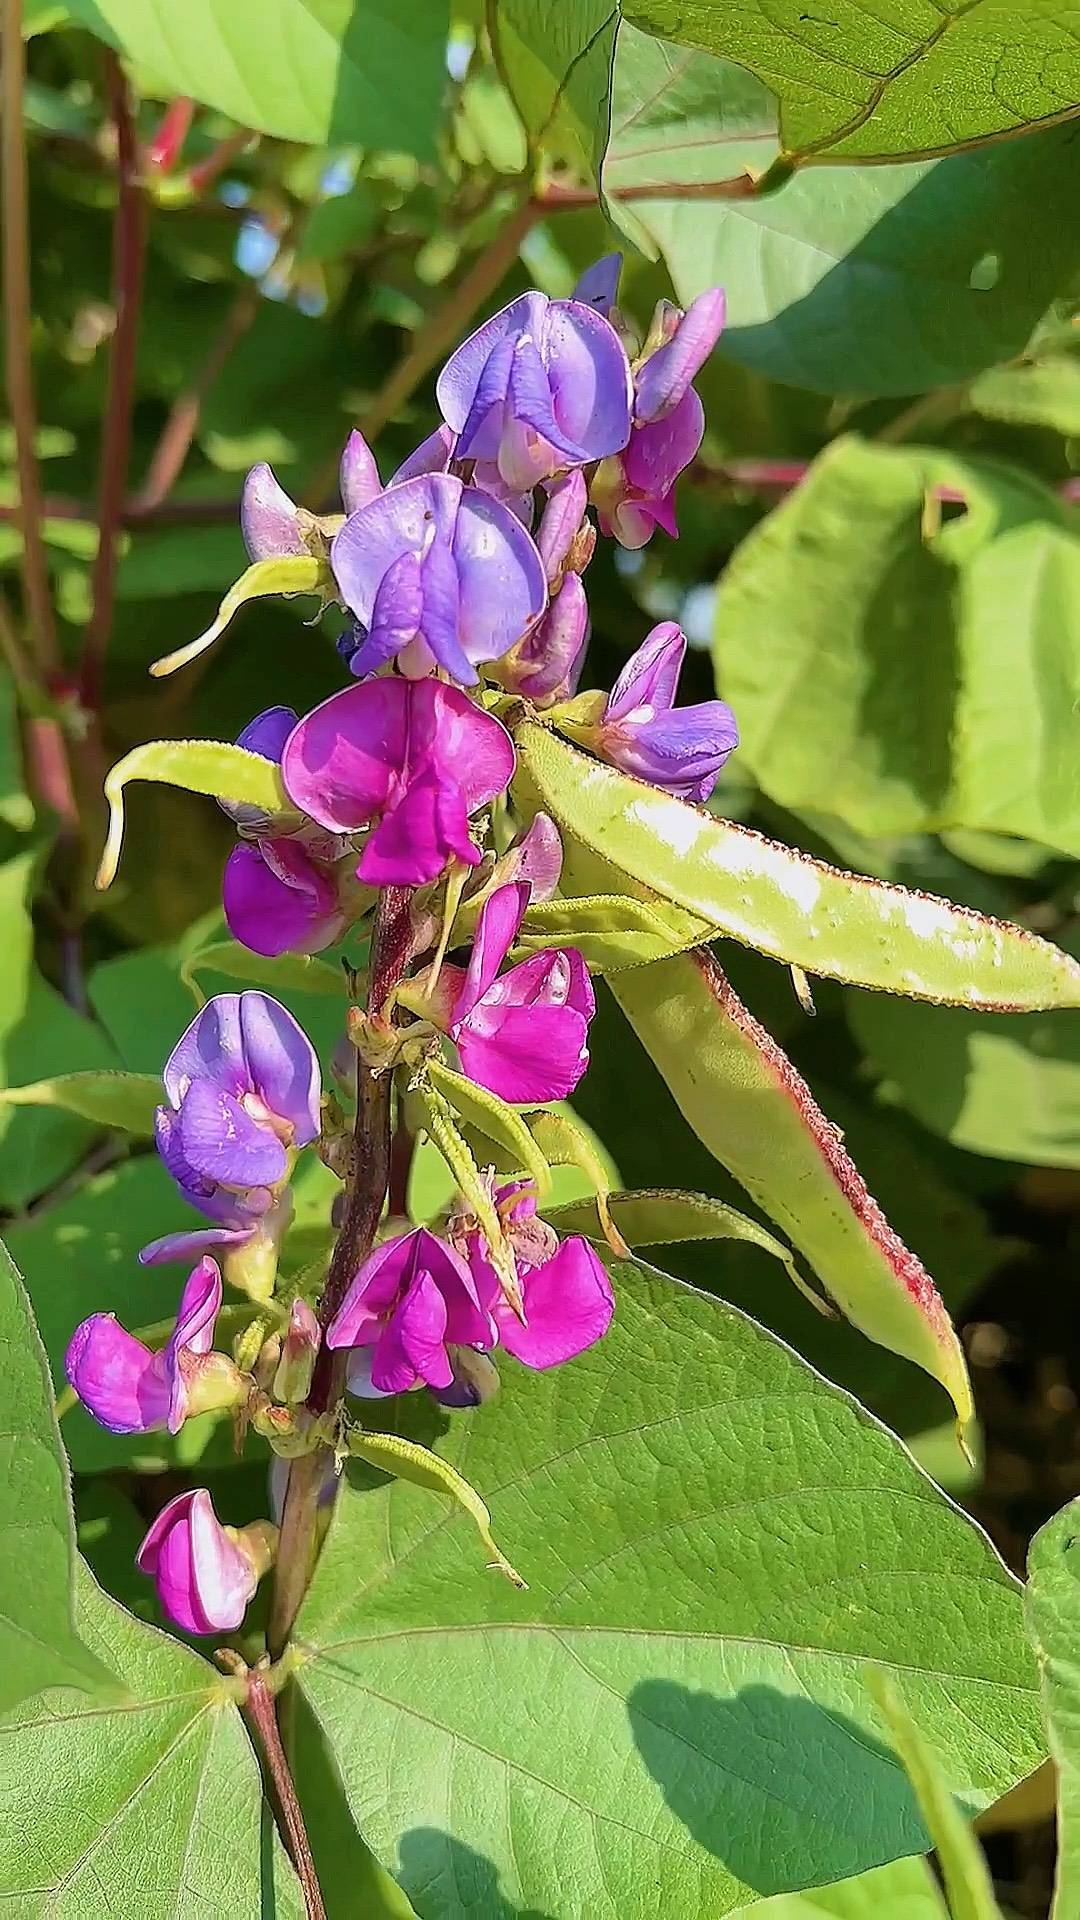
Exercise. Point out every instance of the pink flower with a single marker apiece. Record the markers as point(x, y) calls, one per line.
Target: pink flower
point(522, 1034)
point(204, 1576)
point(566, 1293)
point(130, 1389)
point(412, 1298)
point(411, 758)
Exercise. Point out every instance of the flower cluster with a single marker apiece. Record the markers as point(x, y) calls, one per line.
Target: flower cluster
point(463, 582)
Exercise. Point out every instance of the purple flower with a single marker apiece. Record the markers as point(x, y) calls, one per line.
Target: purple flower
point(681, 749)
point(536, 858)
point(560, 527)
point(440, 573)
point(565, 1290)
point(413, 758)
point(273, 525)
point(127, 1387)
point(662, 377)
point(412, 1298)
point(204, 1577)
point(279, 899)
point(265, 735)
point(546, 665)
point(436, 455)
point(521, 1034)
point(599, 284)
point(193, 1243)
point(243, 1088)
point(543, 386)
point(634, 492)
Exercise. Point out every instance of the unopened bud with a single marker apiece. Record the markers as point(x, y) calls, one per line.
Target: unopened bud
point(299, 1350)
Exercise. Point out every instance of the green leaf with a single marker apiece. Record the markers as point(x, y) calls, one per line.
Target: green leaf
point(39, 1645)
point(610, 931)
point(405, 1460)
point(40, 1034)
point(872, 280)
point(279, 971)
point(1042, 393)
point(484, 1113)
point(752, 1110)
point(350, 1878)
point(555, 63)
point(124, 1100)
point(1008, 1087)
point(674, 1717)
point(1053, 1609)
point(312, 70)
point(290, 574)
point(925, 680)
point(153, 1805)
point(16, 806)
point(904, 1890)
point(202, 766)
point(889, 82)
point(782, 902)
point(967, 1878)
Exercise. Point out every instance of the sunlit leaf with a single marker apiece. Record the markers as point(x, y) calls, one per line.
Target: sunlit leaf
point(674, 1717)
point(490, 1117)
point(965, 1872)
point(1053, 1605)
point(124, 1100)
point(611, 931)
point(39, 1644)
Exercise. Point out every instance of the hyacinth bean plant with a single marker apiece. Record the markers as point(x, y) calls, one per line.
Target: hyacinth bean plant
point(480, 1566)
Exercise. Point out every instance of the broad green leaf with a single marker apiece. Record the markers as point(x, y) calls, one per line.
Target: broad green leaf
point(756, 1114)
point(202, 766)
point(890, 82)
point(278, 971)
point(124, 1100)
point(921, 680)
point(904, 1890)
point(780, 901)
point(153, 1805)
point(405, 1460)
point(1039, 393)
point(610, 930)
point(40, 1034)
point(674, 1717)
point(1053, 1609)
point(967, 1878)
point(292, 573)
point(861, 280)
point(1009, 1087)
point(16, 806)
point(41, 16)
point(484, 1113)
point(39, 1645)
point(660, 1217)
point(313, 70)
point(350, 1878)
point(80, 1256)
point(555, 62)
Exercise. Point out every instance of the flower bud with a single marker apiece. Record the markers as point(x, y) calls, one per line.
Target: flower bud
point(299, 1351)
point(545, 666)
point(205, 1573)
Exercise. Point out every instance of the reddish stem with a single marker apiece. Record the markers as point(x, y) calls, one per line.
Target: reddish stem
point(208, 170)
point(129, 253)
point(164, 150)
point(261, 1708)
point(167, 460)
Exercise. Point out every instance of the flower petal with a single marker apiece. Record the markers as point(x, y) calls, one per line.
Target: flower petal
point(650, 677)
point(568, 1307)
point(268, 519)
point(271, 915)
point(666, 375)
point(496, 930)
point(119, 1381)
point(358, 474)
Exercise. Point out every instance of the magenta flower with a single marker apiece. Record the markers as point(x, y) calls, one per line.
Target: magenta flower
point(536, 858)
point(204, 1576)
point(541, 387)
point(634, 492)
point(522, 1034)
point(681, 749)
point(127, 1387)
point(439, 573)
point(413, 759)
point(662, 377)
point(273, 525)
point(279, 899)
point(243, 1088)
point(565, 1290)
point(412, 1298)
